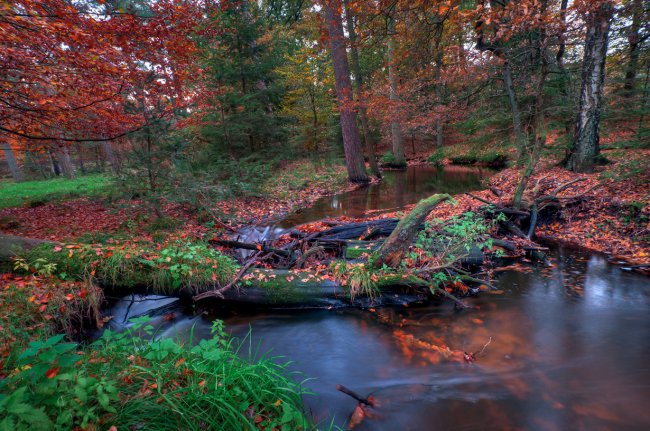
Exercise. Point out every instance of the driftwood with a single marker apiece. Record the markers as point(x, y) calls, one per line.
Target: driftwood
point(312, 251)
point(289, 288)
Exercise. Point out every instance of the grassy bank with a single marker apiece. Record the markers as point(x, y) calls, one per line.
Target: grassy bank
point(128, 380)
point(36, 192)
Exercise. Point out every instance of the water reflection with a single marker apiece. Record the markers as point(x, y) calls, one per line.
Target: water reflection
point(398, 189)
point(557, 359)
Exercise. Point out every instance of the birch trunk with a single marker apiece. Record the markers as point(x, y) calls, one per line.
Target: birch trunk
point(586, 145)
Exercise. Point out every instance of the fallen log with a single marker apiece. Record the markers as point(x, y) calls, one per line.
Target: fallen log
point(251, 246)
point(292, 288)
point(393, 249)
point(357, 229)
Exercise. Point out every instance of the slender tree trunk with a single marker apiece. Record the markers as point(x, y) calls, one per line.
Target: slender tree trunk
point(351, 140)
point(111, 157)
point(537, 126)
point(80, 159)
point(633, 48)
point(395, 128)
point(53, 164)
point(358, 77)
point(559, 57)
point(586, 144)
point(439, 90)
point(520, 137)
point(16, 173)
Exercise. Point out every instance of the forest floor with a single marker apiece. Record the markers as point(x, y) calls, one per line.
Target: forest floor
point(62, 217)
point(613, 216)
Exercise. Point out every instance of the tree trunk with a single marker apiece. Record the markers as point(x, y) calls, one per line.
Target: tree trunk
point(395, 128)
point(111, 157)
point(520, 138)
point(586, 139)
point(63, 156)
point(358, 77)
point(16, 173)
point(80, 159)
point(348, 117)
point(633, 47)
point(537, 126)
point(53, 164)
point(393, 249)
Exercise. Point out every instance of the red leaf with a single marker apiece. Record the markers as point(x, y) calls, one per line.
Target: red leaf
point(52, 372)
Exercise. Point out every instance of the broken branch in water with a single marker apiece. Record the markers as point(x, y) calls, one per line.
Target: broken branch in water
point(369, 401)
point(218, 293)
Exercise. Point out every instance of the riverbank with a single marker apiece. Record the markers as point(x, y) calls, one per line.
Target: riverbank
point(131, 379)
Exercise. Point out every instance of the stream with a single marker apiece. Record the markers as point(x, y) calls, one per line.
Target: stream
point(565, 347)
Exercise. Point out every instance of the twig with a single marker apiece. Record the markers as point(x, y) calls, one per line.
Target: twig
point(476, 354)
point(443, 292)
point(367, 401)
point(485, 201)
point(219, 292)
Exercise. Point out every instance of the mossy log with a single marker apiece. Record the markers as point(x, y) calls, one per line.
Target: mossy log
point(393, 249)
point(288, 288)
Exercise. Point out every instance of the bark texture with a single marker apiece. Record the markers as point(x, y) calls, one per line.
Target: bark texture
point(358, 78)
point(348, 117)
point(633, 47)
point(395, 128)
point(16, 173)
point(586, 144)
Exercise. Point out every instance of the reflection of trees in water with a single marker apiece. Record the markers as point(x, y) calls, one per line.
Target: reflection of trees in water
point(397, 189)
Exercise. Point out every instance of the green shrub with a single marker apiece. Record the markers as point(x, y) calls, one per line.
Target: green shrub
point(436, 158)
point(388, 158)
point(127, 381)
point(465, 159)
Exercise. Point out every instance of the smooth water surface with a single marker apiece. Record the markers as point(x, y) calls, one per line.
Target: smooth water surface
point(394, 192)
point(570, 350)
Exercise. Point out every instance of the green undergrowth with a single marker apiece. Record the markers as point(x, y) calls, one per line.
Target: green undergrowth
point(439, 247)
point(39, 192)
point(165, 268)
point(303, 175)
point(134, 380)
point(469, 156)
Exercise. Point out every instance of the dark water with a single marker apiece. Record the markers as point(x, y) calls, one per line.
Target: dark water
point(396, 190)
point(569, 349)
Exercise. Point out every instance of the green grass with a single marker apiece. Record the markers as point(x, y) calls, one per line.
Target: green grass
point(32, 192)
point(135, 380)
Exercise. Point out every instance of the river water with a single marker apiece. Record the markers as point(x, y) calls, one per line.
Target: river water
point(565, 347)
